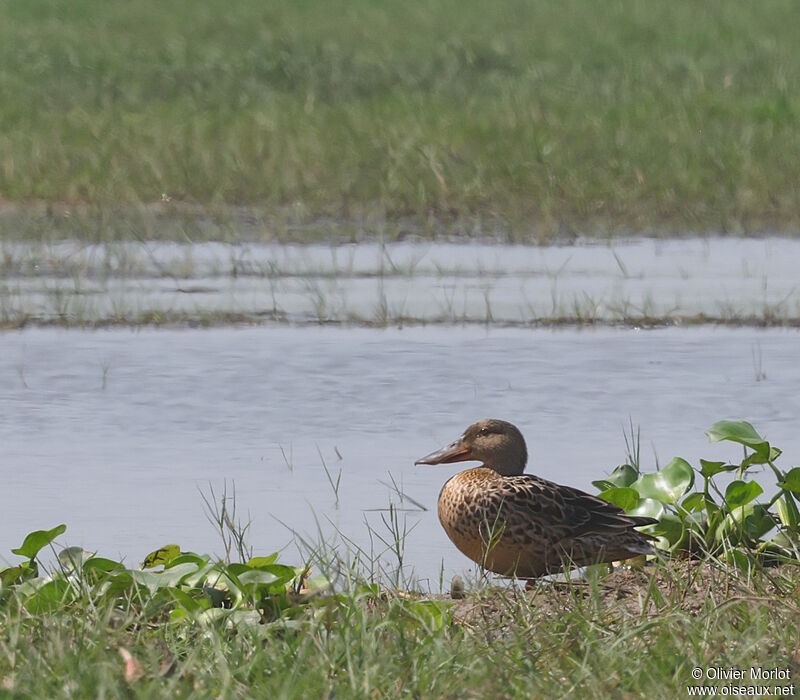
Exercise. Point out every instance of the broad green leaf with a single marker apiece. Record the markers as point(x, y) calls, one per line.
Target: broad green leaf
point(73, 558)
point(282, 572)
point(787, 512)
point(759, 458)
point(234, 568)
point(199, 577)
point(102, 564)
point(317, 584)
point(792, 481)
point(149, 579)
point(709, 469)
point(189, 603)
point(277, 572)
point(667, 485)
point(175, 575)
point(256, 577)
point(51, 596)
point(223, 578)
point(258, 562)
point(694, 502)
point(622, 497)
point(200, 560)
point(163, 555)
point(749, 522)
point(696, 523)
point(231, 618)
point(785, 543)
point(739, 431)
point(34, 542)
point(169, 578)
point(741, 559)
point(624, 475)
point(740, 492)
point(671, 528)
point(648, 508)
point(15, 574)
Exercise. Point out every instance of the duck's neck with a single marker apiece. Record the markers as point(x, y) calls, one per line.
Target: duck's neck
point(508, 467)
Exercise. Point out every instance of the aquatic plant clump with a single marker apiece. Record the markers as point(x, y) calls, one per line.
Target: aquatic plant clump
point(729, 522)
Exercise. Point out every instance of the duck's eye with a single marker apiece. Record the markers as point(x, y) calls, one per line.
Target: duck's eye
point(484, 431)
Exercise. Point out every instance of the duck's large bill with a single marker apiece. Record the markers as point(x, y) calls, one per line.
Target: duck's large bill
point(455, 452)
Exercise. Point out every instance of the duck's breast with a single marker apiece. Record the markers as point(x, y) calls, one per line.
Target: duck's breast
point(465, 508)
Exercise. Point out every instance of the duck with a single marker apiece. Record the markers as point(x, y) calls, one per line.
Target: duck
point(520, 525)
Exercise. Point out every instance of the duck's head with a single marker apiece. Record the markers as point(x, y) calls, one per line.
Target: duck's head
point(496, 443)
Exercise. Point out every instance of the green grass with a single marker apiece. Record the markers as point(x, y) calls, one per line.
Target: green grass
point(532, 119)
point(558, 641)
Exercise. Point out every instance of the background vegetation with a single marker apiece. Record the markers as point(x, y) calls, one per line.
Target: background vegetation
point(533, 118)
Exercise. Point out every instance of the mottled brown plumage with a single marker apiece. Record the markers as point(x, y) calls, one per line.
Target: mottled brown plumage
point(517, 524)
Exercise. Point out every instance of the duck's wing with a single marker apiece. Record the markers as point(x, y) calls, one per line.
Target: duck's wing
point(570, 519)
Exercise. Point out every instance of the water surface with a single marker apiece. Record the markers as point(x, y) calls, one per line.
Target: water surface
point(115, 432)
point(648, 280)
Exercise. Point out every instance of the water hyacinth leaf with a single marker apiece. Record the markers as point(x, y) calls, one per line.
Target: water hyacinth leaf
point(739, 431)
point(750, 522)
point(709, 469)
point(317, 584)
point(175, 575)
point(73, 558)
point(791, 482)
point(667, 485)
point(694, 502)
point(51, 596)
point(279, 572)
point(741, 559)
point(203, 573)
point(231, 618)
point(168, 578)
point(15, 574)
point(163, 555)
point(256, 578)
point(671, 528)
point(283, 573)
point(150, 580)
point(758, 458)
point(695, 523)
point(235, 568)
point(648, 508)
point(785, 543)
point(243, 618)
point(102, 564)
point(624, 475)
point(187, 603)
point(739, 493)
point(34, 541)
point(226, 580)
point(188, 557)
point(258, 562)
point(622, 497)
point(787, 512)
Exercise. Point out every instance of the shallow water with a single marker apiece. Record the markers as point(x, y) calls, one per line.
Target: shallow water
point(115, 432)
point(722, 278)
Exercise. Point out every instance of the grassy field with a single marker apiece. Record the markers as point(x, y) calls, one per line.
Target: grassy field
point(556, 641)
point(530, 119)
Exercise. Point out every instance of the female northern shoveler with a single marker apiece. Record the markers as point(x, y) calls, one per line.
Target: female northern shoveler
point(517, 524)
